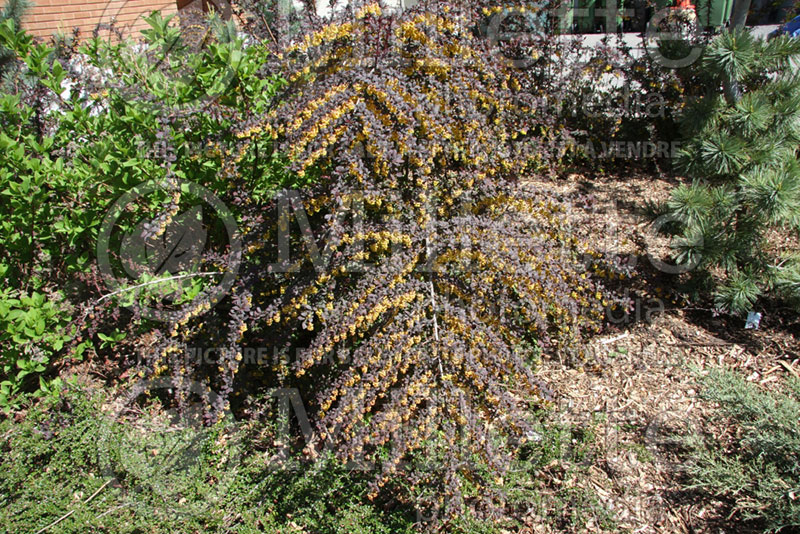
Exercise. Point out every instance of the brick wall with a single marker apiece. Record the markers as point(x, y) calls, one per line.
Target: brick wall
point(50, 16)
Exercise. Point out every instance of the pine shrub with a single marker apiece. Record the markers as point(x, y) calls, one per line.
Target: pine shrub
point(740, 216)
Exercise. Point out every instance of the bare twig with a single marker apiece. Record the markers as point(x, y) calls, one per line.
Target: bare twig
point(158, 281)
point(700, 344)
point(114, 509)
point(615, 338)
point(266, 24)
point(63, 517)
point(789, 368)
point(429, 250)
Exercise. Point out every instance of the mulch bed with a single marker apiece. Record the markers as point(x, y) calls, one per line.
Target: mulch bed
point(638, 385)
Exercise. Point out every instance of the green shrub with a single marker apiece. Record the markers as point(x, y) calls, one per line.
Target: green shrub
point(13, 10)
point(53, 462)
point(741, 152)
point(755, 464)
point(33, 328)
point(77, 133)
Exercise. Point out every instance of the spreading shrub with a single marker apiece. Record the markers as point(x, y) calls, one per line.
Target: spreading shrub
point(51, 457)
point(753, 464)
point(425, 273)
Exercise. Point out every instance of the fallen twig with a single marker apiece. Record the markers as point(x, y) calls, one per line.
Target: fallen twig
point(615, 338)
point(115, 508)
point(790, 369)
point(63, 517)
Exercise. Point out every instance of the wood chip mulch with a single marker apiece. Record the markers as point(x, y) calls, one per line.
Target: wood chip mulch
point(639, 385)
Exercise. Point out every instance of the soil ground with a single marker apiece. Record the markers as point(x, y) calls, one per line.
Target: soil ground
point(639, 384)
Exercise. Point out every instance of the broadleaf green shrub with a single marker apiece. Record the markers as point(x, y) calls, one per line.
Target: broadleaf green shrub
point(33, 328)
point(13, 10)
point(77, 132)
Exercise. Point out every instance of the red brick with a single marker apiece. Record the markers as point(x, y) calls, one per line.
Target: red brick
point(48, 16)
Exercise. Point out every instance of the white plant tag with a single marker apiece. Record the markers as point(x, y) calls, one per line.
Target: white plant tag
point(753, 320)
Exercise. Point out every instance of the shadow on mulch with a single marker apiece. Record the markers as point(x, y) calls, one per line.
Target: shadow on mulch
point(719, 524)
point(778, 335)
point(684, 501)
